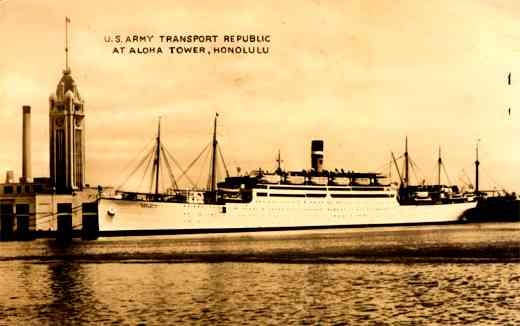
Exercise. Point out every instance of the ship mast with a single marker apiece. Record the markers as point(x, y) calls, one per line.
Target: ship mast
point(406, 163)
point(477, 163)
point(214, 157)
point(397, 168)
point(439, 168)
point(157, 157)
point(279, 162)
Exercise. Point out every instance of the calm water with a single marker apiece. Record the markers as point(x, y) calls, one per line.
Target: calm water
point(415, 275)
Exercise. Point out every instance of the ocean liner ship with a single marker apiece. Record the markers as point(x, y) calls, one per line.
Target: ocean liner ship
point(282, 200)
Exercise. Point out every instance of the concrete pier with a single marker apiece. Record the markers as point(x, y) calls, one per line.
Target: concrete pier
point(90, 221)
point(6, 222)
point(64, 232)
point(23, 231)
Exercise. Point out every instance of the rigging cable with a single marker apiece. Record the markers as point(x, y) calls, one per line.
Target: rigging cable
point(204, 159)
point(496, 184)
point(150, 159)
point(415, 170)
point(468, 179)
point(223, 161)
point(167, 163)
point(162, 179)
point(131, 162)
point(446, 173)
point(208, 184)
point(385, 165)
point(184, 173)
point(179, 166)
point(152, 175)
point(136, 169)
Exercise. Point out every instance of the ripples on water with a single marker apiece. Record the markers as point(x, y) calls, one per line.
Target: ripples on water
point(448, 275)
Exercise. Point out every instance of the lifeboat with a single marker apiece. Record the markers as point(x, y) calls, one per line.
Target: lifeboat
point(319, 180)
point(422, 196)
point(271, 178)
point(341, 181)
point(295, 179)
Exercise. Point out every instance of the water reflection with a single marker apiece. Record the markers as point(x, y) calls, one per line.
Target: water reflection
point(72, 298)
point(265, 280)
point(68, 292)
point(259, 293)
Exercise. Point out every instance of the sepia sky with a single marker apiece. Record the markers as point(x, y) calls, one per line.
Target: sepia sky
point(361, 75)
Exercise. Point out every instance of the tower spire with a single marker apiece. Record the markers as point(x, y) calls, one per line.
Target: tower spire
point(67, 22)
point(66, 131)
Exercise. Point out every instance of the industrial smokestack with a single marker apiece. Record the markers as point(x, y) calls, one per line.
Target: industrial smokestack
point(26, 145)
point(317, 155)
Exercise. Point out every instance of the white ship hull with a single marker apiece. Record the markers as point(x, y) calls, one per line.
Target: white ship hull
point(274, 211)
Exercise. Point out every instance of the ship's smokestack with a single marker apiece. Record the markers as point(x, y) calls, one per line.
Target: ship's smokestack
point(317, 155)
point(26, 145)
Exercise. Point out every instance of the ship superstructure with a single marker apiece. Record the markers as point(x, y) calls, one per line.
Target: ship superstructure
point(282, 200)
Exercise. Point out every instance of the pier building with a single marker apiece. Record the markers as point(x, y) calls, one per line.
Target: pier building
point(31, 205)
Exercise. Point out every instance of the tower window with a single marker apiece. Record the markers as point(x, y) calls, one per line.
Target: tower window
point(78, 159)
point(8, 189)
